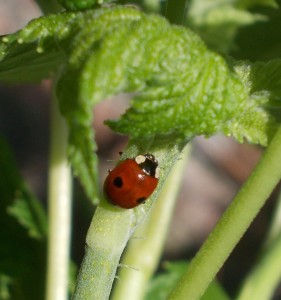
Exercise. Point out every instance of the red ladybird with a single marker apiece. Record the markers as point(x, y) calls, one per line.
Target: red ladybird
point(132, 181)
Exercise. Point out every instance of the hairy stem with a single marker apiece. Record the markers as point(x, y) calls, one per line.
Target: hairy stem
point(232, 225)
point(146, 246)
point(106, 239)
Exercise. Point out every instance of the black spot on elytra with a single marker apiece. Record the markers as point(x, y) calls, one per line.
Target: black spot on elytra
point(141, 200)
point(118, 182)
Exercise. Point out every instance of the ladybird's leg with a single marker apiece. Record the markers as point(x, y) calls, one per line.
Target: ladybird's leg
point(142, 208)
point(129, 267)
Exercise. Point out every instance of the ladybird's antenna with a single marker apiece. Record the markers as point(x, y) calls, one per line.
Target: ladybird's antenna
point(115, 160)
point(147, 147)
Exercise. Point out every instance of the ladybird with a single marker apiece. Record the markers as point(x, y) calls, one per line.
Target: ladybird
point(132, 181)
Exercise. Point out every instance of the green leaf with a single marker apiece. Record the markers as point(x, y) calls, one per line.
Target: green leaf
point(162, 284)
point(217, 22)
point(76, 85)
point(17, 200)
point(263, 80)
point(29, 213)
point(33, 53)
point(22, 259)
point(181, 89)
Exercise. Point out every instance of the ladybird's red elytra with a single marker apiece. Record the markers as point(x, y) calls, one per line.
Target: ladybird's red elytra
point(132, 181)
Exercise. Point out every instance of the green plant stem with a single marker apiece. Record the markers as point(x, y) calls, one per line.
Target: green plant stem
point(111, 229)
point(262, 281)
point(275, 227)
point(145, 249)
point(59, 209)
point(106, 239)
point(232, 225)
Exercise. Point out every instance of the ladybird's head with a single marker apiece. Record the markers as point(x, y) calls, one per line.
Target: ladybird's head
point(149, 164)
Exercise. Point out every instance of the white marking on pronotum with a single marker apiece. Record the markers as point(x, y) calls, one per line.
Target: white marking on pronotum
point(140, 159)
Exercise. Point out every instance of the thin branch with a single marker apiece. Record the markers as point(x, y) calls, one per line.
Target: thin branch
point(232, 225)
point(59, 210)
